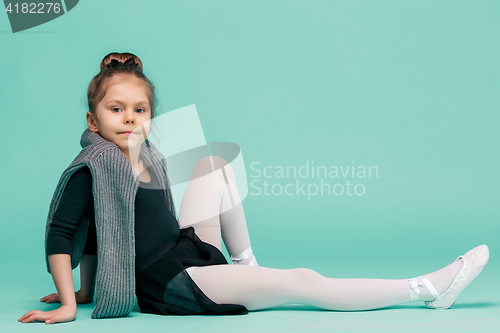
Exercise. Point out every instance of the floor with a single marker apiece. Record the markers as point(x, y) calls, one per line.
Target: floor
point(478, 307)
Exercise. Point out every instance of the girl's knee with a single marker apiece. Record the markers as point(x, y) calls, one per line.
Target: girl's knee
point(305, 275)
point(209, 164)
point(212, 165)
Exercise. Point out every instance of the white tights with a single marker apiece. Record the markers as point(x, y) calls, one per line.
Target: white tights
point(211, 205)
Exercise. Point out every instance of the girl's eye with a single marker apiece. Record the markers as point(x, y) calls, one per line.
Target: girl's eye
point(143, 110)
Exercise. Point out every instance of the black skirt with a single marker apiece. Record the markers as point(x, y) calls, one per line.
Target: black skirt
point(164, 288)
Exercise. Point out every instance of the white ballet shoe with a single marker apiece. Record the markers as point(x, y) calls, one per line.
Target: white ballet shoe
point(473, 264)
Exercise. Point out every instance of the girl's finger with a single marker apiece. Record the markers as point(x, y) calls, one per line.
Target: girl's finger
point(45, 297)
point(25, 315)
point(28, 318)
point(48, 299)
point(39, 316)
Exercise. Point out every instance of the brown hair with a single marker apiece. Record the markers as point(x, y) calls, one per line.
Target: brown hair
point(98, 85)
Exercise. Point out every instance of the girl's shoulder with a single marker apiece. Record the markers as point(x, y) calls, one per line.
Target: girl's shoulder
point(98, 156)
point(81, 177)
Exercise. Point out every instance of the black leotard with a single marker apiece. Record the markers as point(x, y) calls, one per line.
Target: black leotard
point(163, 250)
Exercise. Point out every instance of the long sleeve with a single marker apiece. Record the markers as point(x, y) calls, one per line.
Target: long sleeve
point(76, 202)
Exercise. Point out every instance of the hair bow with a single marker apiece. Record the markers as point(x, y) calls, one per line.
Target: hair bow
point(129, 62)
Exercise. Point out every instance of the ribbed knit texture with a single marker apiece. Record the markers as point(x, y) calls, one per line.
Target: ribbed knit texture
point(114, 187)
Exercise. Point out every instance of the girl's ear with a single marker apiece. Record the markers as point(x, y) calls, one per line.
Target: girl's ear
point(91, 122)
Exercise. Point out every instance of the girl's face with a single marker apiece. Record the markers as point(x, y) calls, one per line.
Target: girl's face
point(125, 107)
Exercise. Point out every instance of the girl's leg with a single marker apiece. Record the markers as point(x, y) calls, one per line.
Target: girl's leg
point(212, 206)
point(260, 287)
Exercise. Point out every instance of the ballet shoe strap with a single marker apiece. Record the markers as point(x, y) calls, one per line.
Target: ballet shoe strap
point(414, 291)
point(429, 286)
point(243, 255)
point(419, 282)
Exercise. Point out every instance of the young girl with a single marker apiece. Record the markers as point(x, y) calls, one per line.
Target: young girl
point(112, 213)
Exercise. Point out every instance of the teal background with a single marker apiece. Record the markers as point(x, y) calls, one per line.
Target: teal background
point(408, 86)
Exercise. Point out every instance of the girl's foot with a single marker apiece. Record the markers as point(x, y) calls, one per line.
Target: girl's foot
point(440, 289)
point(441, 280)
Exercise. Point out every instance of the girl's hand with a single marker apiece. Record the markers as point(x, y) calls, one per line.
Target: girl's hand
point(54, 298)
point(63, 314)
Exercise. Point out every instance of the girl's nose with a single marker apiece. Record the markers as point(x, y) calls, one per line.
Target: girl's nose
point(129, 117)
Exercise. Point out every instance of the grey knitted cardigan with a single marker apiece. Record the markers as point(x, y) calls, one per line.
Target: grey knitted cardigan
point(114, 187)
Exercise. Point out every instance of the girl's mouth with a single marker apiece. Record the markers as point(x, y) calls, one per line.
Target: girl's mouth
point(128, 133)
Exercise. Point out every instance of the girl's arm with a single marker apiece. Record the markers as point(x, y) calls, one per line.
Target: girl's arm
point(60, 266)
point(88, 265)
point(88, 268)
point(76, 202)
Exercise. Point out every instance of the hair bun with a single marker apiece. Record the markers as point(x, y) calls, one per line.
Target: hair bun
point(116, 60)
